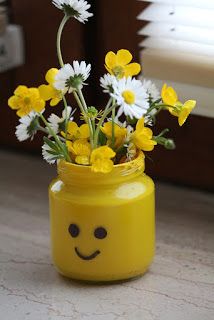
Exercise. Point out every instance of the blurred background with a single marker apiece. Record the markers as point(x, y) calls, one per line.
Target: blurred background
point(173, 40)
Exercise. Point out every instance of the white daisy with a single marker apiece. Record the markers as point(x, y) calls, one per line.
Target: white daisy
point(70, 78)
point(107, 82)
point(28, 127)
point(57, 123)
point(149, 121)
point(132, 98)
point(151, 89)
point(50, 158)
point(74, 8)
point(131, 151)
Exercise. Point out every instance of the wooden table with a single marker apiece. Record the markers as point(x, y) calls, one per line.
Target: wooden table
point(179, 285)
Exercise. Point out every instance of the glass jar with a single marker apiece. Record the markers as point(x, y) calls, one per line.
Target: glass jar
point(102, 225)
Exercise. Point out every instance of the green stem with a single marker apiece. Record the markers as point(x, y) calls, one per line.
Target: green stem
point(66, 116)
point(163, 133)
point(82, 99)
point(61, 62)
point(93, 125)
point(40, 128)
point(59, 36)
point(80, 105)
point(113, 129)
point(51, 131)
point(153, 106)
point(105, 114)
point(82, 109)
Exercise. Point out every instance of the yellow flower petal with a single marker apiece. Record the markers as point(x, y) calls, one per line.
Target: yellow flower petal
point(118, 64)
point(102, 166)
point(148, 132)
point(54, 102)
point(190, 104)
point(21, 90)
point(183, 117)
point(46, 92)
point(185, 111)
point(69, 144)
point(144, 143)
point(22, 113)
point(13, 102)
point(124, 57)
point(110, 60)
point(84, 131)
point(142, 137)
point(82, 147)
point(26, 100)
point(169, 95)
point(107, 129)
point(83, 160)
point(132, 69)
point(39, 105)
point(34, 93)
point(164, 88)
point(118, 131)
point(72, 128)
point(109, 70)
point(140, 124)
point(50, 76)
point(173, 111)
point(103, 152)
point(149, 146)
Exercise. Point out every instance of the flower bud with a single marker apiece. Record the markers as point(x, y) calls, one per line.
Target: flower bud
point(92, 112)
point(169, 144)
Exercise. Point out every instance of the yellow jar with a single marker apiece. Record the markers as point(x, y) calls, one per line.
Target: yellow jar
point(102, 225)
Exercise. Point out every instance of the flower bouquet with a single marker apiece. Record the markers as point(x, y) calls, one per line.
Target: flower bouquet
point(101, 190)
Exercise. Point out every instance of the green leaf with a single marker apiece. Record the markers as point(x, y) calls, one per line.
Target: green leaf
point(102, 139)
point(51, 144)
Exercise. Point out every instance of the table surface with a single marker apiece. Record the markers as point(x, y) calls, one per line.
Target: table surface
point(178, 286)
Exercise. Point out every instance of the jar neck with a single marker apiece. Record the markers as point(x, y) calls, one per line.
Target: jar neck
point(72, 174)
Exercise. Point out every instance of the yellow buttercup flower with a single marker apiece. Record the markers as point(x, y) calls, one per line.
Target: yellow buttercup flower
point(182, 111)
point(142, 137)
point(80, 150)
point(169, 96)
point(74, 132)
point(101, 159)
point(119, 64)
point(26, 100)
point(49, 92)
point(120, 133)
point(185, 111)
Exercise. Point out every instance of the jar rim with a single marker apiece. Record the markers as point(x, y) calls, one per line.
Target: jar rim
point(120, 165)
point(70, 172)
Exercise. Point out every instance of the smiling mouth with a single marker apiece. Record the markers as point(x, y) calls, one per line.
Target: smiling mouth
point(91, 257)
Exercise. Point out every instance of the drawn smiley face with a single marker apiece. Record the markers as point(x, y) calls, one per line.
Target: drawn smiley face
point(99, 233)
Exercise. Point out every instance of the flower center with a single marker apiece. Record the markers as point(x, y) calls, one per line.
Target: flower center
point(118, 71)
point(27, 100)
point(129, 96)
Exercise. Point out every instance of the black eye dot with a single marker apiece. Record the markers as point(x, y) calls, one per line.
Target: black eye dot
point(74, 230)
point(100, 233)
